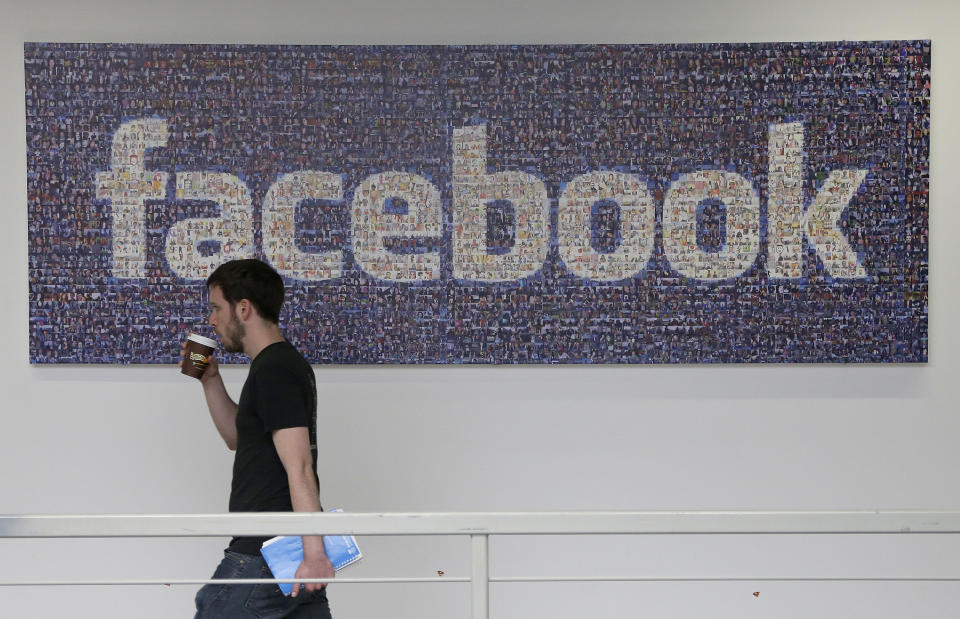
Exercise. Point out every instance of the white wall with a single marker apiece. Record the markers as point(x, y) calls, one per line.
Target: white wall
point(137, 439)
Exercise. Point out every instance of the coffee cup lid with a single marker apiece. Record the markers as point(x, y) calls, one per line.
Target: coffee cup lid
point(199, 339)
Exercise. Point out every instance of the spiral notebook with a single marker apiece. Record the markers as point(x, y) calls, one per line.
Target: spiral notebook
point(284, 554)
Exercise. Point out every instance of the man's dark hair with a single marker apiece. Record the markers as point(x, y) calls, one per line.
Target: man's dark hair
point(252, 280)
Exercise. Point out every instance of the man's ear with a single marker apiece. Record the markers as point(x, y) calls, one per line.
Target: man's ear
point(244, 309)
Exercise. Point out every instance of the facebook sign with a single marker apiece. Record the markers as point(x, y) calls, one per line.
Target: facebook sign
point(760, 203)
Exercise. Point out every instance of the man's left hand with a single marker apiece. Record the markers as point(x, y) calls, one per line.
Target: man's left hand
point(315, 568)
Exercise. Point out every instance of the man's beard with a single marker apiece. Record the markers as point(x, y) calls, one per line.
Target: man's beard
point(233, 334)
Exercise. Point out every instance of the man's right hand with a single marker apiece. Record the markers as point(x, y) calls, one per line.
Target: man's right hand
point(212, 370)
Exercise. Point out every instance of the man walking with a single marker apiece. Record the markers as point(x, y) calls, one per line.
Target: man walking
point(273, 431)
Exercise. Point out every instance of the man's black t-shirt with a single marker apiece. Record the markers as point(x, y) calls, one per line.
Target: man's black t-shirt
point(280, 392)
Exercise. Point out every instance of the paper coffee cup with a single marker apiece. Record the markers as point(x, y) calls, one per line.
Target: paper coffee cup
point(199, 348)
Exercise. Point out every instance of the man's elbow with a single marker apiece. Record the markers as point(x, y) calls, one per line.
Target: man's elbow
point(300, 471)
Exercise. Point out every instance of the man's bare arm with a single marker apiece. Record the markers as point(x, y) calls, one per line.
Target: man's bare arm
point(293, 447)
point(223, 410)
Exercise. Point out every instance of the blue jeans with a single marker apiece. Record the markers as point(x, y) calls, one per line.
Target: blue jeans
point(264, 601)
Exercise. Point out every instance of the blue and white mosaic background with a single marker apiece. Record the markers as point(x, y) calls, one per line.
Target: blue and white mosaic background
point(486, 204)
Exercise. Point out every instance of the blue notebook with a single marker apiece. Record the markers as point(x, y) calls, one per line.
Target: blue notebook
point(285, 554)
